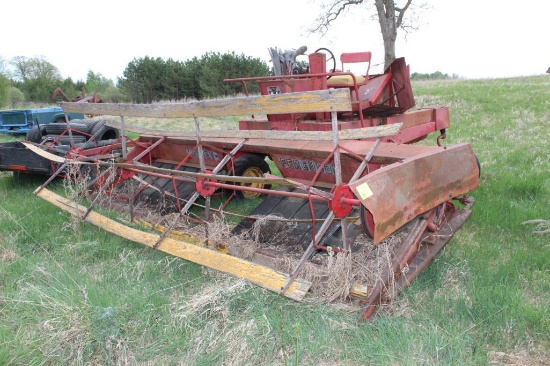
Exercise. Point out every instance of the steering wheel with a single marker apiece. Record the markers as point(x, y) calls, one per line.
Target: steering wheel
point(326, 50)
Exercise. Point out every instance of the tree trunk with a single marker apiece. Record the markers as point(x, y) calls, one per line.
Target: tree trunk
point(388, 26)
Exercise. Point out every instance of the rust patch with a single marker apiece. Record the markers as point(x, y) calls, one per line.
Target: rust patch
point(404, 190)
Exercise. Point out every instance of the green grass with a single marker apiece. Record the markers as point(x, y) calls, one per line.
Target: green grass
point(72, 294)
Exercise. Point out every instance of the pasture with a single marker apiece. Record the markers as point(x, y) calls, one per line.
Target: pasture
point(73, 294)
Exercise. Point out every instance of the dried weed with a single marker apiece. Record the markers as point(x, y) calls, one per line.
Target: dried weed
point(541, 227)
point(332, 273)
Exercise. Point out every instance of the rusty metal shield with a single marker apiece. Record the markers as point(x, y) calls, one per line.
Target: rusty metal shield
point(397, 193)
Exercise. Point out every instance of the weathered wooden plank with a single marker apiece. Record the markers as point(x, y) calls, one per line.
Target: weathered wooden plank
point(349, 134)
point(303, 102)
point(43, 153)
point(262, 276)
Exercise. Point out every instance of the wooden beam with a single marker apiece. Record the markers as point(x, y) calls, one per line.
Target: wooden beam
point(303, 102)
point(348, 134)
point(43, 153)
point(262, 276)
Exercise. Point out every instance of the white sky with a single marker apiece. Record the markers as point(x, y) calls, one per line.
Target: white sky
point(470, 38)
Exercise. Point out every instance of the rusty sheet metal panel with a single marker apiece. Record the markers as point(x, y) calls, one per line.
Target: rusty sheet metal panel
point(397, 193)
point(402, 84)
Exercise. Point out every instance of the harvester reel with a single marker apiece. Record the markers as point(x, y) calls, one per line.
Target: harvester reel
point(252, 166)
point(326, 50)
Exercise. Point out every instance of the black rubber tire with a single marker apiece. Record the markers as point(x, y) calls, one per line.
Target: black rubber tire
point(62, 120)
point(103, 132)
point(77, 120)
point(35, 134)
point(59, 128)
point(251, 165)
point(89, 121)
point(65, 139)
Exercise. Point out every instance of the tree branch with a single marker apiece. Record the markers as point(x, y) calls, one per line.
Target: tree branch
point(326, 18)
point(401, 13)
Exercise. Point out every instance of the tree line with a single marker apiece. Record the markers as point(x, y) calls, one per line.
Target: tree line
point(438, 75)
point(145, 80)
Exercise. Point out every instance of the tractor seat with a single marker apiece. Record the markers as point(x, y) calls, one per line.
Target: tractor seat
point(345, 80)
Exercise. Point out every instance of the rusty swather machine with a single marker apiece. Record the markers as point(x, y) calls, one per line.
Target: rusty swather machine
point(350, 177)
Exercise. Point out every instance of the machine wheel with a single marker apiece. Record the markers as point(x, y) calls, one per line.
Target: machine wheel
point(367, 222)
point(251, 165)
point(326, 50)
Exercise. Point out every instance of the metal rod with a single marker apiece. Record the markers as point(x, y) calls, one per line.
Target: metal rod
point(176, 219)
point(203, 169)
point(123, 133)
point(148, 150)
point(356, 175)
point(112, 176)
point(309, 251)
point(227, 157)
point(54, 175)
point(268, 191)
point(130, 187)
point(302, 186)
point(199, 145)
point(335, 142)
point(365, 161)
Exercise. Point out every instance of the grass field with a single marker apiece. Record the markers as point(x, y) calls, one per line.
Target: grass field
point(71, 294)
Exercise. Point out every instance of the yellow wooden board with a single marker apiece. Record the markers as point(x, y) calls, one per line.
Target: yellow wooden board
point(347, 134)
point(331, 100)
point(43, 153)
point(262, 276)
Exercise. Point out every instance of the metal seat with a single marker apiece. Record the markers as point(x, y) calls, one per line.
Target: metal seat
point(348, 79)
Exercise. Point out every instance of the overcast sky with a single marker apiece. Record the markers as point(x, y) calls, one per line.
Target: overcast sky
point(470, 38)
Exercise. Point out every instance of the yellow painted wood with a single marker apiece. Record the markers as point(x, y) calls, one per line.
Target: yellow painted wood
point(348, 134)
point(359, 291)
point(303, 102)
point(262, 276)
point(182, 236)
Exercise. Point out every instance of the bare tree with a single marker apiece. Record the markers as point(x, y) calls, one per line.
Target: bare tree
point(390, 17)
point(32, 68)
point(3, 69)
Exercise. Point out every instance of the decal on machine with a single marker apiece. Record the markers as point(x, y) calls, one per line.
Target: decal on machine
point(306, 165)
point(208, 155)
point(271, 90)
point(364, 191)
